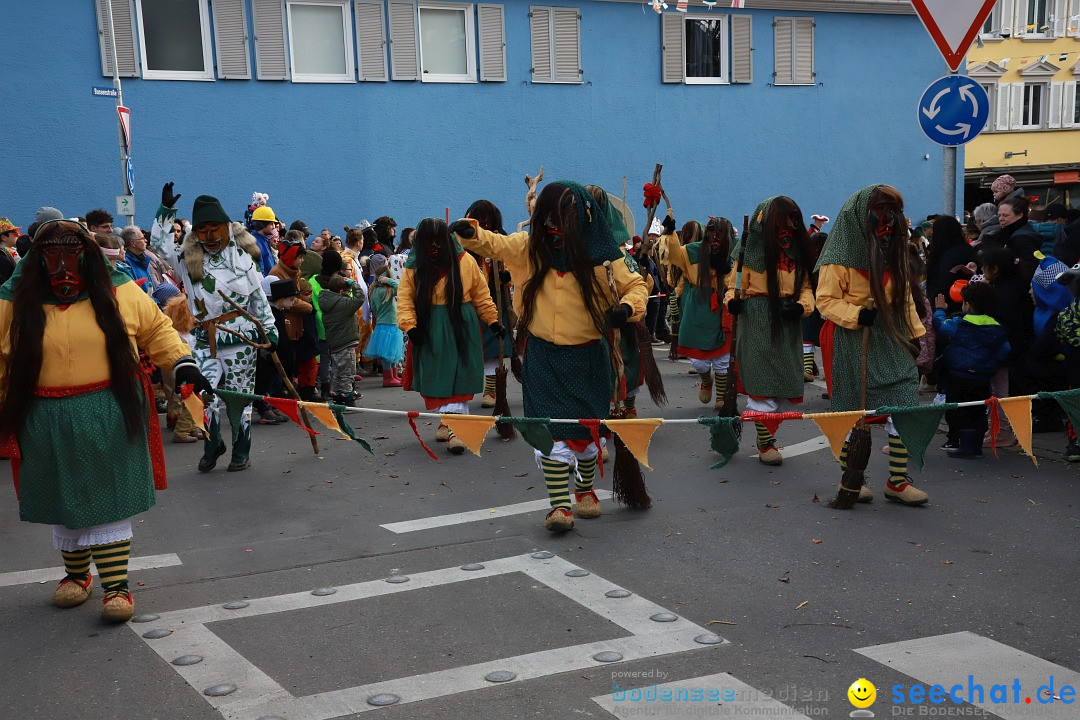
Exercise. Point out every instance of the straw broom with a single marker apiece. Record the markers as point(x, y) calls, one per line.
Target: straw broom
point(502, 405)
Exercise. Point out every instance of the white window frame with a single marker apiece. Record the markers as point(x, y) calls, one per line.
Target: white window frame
point(725, 55)
point(349, 76)
point(469, 13)
point(206, 74)
point(1040, 30)
point(990, 87)
point(994, 21)
point(1044, 101)
point(1075, 105)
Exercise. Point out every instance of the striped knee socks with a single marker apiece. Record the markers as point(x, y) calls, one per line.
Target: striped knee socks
point(557, 476)
point(77, 563)
point(489, 384)
point(587, 473)
point(721, 387)
point(764, 437)
point(898, 458)
point(112, 564)
point(808, 362)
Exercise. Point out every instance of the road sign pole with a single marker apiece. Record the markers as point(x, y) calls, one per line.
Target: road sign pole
point(948, 179)
point(119, 102)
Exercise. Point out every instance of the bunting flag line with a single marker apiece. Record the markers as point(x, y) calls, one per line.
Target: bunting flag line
point(636, 434)
point(738, 3)
point(594, 430)
point(724, 436)
point(291, 410)
point(325, 415)
point(194, 404)
point(412, 423)
point(534, 431)
point(917, 426)
point(470, 429)
point(835, 427)
point(346, 429)
point(771, 421)
point(1018, 410)
point(995, 422)
point(681, 5)
point(235, 402)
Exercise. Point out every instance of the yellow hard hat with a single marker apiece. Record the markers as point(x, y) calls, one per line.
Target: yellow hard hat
point(264, 213)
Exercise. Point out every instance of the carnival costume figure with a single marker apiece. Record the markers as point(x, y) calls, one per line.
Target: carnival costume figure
point(218, 256)
point(77, 410)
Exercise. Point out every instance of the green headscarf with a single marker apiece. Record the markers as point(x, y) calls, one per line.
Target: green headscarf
point(755, 238)
point(848, 243)
point(614, 219)
point(602, 233)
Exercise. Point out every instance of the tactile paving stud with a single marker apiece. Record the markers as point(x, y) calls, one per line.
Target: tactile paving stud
point(472, 566)
point(607, 656)
point(184, 660)
point(708, 639)
point(219, 690)
point(542, 555)
point(321, 592)
point(383, 699)
point(663, 617)
point(157, 634)
point(236, 605)
point(396, 579)
point(577, 572)
point(500, 676)
point(145, 618)
point(618, 593)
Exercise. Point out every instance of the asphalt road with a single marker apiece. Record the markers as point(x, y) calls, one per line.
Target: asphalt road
point(980, 582)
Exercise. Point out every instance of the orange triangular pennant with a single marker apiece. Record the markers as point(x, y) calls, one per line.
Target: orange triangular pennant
point(636, 434)
point(1018, 410)
point(194, 405)
point(470, 429)
point(836, 426)
point(325, 415)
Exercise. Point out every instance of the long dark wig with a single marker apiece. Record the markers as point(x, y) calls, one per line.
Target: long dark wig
point(720, 229)
point(28, 328)
point(948, 233)
point(435, 259)
point(690, 233)
point(781, 211)
point(889, 257)
point(557, 203)
point(489, 217)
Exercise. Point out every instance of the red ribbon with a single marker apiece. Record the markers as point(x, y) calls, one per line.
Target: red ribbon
point(771, 421)
point(412, 423)
point(594, 430)
point(652, 195)
point(992, 405)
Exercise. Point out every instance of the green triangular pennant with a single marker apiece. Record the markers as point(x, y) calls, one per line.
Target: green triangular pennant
point(534, 431)
point(1069, 400)
point(339, 415)
point(235, 402)
point(724, 433)
point(916, 426)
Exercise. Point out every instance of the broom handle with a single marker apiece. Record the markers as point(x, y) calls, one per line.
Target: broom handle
point(496, 268)
point(615, 344)
point(865, 354)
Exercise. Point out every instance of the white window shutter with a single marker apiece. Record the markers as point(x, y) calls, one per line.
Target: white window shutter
point(404, 47)
point(1020, 19)
point(1001, 111)
point(673, 69)
point(783, 37)
point(371, 40)
point(1053, 115)
point(124, 29)
point(492, 43)
point(1072, 19)
point(1068, 105)
point(1056, 17)
point(231, 40)
point(1016, 105)
point(742, 49)
point(566, 22)
point(540, 37)
point(803, 49)
point(268, 20)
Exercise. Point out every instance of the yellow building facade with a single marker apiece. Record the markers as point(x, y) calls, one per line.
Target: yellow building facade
point(1027, 58)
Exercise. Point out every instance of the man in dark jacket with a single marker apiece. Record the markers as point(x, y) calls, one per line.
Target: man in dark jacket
point(977, 346)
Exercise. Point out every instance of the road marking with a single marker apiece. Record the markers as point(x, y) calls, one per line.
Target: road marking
point(803, 448)
point(949, 660)
point(259, 695)
point(718, 695)
point(24, 577)
point(475, 515)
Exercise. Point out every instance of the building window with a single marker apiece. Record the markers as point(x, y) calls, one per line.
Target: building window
point(1036, 17)
point(174, 40)
point(705, 50)
point(1032, 114)
point(794, 51)
point(555, 34)
point(991, 95)
point(320, 42)
point(1075, 104)
point(447, 52)
point(992, 26)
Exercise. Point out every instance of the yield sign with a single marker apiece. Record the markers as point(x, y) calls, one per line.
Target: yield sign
point(125, 124)
point(953, 24)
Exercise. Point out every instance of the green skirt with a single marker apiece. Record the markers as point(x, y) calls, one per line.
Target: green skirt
point(491, 340)
point(699, 327)
point(439, 370)
point(631, 357)
point(78, 468)
point(891, 376)
point(566, 381)
point(768, 367)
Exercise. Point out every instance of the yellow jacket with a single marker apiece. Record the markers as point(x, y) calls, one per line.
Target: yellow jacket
point(559, 316)
point(474, 289)
point(74, 346)
point(842, 292)
point(756, 284)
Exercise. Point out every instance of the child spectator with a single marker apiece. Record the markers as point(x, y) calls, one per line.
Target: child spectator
point(340, 300)
point(386, 343)
point(978, 344)
point(1068, 334)
point(307, 348)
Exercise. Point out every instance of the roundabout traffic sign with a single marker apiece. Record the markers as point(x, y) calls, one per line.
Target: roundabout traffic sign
point(953, 110)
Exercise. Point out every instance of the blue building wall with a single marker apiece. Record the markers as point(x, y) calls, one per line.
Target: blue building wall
point(332, 154)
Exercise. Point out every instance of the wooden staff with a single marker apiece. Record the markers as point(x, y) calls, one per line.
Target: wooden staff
point(530, 197)
point(731, 392)
point(265, 345)
point(502, 405)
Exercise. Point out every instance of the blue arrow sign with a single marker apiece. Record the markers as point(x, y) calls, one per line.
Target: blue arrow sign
point(130, 178)
point(953, 110)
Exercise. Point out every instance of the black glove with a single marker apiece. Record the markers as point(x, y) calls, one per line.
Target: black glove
point(617, 317)
point(735, 306)
point(669, 225)
point(504, 277)
point(867, 316)
point(497, 329)
point(167, 198)
point(791, 310)
point(462, 228)
point(188, 373)
point(415, 337)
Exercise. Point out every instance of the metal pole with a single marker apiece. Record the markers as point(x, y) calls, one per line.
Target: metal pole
point(119, 103)
point(948, 179)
